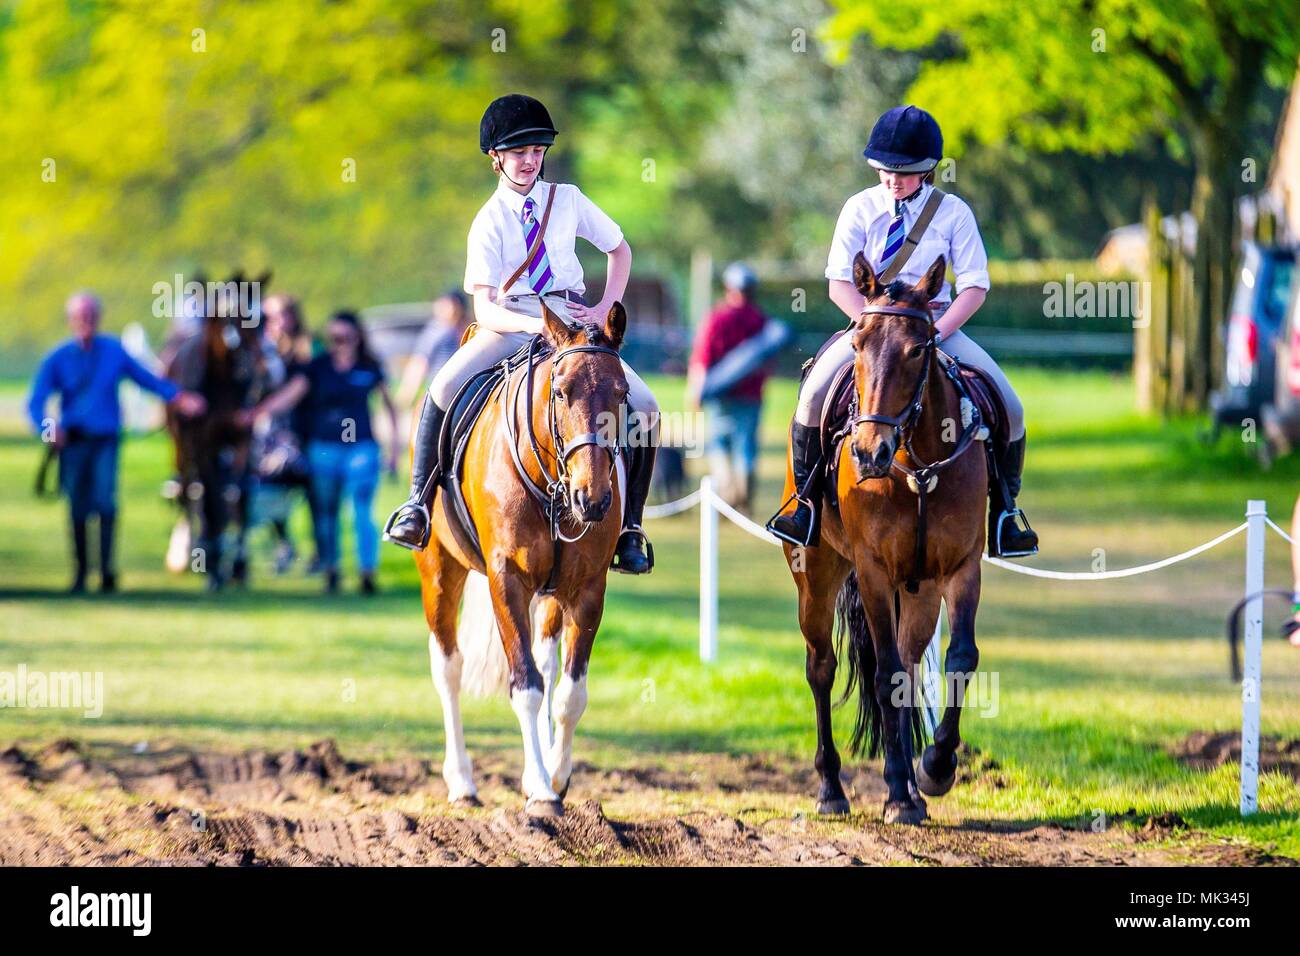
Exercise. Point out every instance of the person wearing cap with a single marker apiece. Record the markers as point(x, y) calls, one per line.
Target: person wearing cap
point(85, 371)
point(516, 131)
point(905, 146)
point(733, 415)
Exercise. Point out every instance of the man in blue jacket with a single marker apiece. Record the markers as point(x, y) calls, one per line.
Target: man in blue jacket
point(85, 372)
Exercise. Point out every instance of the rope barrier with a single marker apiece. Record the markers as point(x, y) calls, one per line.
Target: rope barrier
point(758, 531)
point(1285, 537)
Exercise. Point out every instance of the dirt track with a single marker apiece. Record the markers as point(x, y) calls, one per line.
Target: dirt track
point(64, 804)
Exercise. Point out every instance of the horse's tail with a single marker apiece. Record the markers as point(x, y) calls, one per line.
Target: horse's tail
point(868, 726)
point(485, 671)
point(1234, 624)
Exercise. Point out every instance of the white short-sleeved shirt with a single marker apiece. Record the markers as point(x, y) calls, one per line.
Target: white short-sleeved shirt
point(496, 245)
point(953, 233)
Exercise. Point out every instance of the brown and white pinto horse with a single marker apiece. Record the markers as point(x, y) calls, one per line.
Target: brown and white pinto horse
point(576, 394)
point(907, 415)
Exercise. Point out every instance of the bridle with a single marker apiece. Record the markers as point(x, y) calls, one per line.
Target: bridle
point(922, 478)
point(903, 423)
point(555, 496)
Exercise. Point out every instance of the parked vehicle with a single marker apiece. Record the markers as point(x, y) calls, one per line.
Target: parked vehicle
point(1255, 325)
point(1280, 417)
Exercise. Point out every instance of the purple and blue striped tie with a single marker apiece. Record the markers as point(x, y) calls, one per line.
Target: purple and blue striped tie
point(540, 277)
point(894, 238)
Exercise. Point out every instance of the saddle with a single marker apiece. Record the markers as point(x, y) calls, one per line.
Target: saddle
point(466, 409)
point(972, 386)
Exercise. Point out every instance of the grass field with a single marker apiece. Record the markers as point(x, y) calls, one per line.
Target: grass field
point(1097, 681)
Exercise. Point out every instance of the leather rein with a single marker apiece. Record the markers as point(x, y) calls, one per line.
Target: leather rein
point(922, 478)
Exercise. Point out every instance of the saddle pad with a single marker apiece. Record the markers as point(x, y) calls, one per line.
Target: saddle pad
point(466, 409)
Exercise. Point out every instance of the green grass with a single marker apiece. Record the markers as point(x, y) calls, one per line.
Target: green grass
point(1095, 680)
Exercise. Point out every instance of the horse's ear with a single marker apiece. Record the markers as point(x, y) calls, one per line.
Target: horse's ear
point(616, 324)
point(864, 278)
point(557, 330)
point(932, 281)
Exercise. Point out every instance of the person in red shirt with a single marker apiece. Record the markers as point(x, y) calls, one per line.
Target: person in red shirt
point(734, 415)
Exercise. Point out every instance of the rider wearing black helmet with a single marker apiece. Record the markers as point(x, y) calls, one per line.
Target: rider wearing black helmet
point(515, 132)
point(906, 145)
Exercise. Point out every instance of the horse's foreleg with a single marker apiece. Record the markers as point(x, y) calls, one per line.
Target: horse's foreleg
point(823, 572)
point(511, 598)
point(938, 766)
point(548, 619)
point(919, 613)
point(442, 580)
point(893, 696)
point(581, 621)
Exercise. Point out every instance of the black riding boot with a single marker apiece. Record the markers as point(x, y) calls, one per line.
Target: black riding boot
point(107, 574)
point(81, 549)
point(634, 554)
point(409, 524)
point(801, 525)
point(1010, 535)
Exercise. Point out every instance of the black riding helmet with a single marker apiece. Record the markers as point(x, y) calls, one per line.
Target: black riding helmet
point(515, 120)
point(906, 139)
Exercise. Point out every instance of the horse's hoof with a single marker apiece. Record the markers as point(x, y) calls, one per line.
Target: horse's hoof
point(905, 812)
point(542, 809)
point(467, 802)
point(839, 807)
point(938, 784)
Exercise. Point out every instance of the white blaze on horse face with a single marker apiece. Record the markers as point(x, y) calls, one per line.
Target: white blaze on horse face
point(570, 703)
point(456, 768)
point(527, 704)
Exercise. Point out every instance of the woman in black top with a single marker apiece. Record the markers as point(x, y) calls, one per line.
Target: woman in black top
point(341, 446)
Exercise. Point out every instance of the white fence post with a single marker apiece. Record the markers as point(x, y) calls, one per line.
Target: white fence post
point(1256, 513)
point(708, 572)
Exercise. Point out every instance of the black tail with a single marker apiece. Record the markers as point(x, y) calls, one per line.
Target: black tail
point(1234, 624)
point(868, 727)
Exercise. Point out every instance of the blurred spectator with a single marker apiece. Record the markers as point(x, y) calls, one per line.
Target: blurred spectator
point(342, 453)
point(85, 371)
point(282, 460)
point(439, 339)
point(734, 414)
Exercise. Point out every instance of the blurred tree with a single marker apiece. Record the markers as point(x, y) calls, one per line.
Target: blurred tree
point(1099, 76)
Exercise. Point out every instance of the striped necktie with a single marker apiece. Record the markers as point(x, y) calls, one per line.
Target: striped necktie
point(540, 277)
point(894, 238)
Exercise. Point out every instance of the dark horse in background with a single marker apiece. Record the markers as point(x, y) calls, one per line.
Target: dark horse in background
point(225, 363)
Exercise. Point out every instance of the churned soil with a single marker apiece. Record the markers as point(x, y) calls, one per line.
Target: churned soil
point(78, 804)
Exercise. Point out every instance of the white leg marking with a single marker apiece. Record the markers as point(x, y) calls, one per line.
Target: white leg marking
point(548, 662)
point(527, 705)
point(456, 768)
point(570, 702)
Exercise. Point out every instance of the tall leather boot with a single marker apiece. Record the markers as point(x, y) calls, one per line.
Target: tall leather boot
point(801, 525)
point(107, 573)
point(1010, 535)
point(81, 555)
point(634, 554)
point(408, 526)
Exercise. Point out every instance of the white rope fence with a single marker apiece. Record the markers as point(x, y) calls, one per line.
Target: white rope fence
point(1256, 521)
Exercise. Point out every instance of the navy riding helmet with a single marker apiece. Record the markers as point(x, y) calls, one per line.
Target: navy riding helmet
point(905, 140)
point(515, 120)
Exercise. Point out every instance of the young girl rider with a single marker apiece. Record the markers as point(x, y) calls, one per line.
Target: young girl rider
point(905, 146)
point(515, 132)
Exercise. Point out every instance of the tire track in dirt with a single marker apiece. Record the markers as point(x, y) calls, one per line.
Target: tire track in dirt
point(69, 804)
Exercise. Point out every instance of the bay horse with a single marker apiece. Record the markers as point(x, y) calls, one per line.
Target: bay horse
point(883, 563)
point(225, 363)
point(540, 432)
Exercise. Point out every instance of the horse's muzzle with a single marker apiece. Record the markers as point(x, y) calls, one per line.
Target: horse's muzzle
point(588, 510)
point(875, 464)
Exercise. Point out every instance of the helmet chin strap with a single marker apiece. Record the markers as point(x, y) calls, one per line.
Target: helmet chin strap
point(541, 170)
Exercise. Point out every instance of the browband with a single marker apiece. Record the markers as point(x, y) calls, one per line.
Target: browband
point(897, 310)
